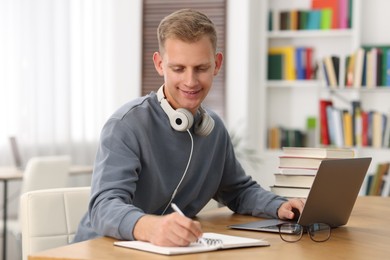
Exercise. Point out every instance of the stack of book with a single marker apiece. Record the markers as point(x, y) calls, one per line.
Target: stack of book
point(298, 167)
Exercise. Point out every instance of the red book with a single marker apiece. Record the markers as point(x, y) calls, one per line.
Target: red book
point(334, 5)
point(325, 140)
point(364, 128)
point(309, 71)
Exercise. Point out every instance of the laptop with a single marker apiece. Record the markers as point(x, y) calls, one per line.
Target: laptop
point(331, 197)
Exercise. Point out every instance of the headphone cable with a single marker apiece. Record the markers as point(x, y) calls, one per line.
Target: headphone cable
point(184, 174)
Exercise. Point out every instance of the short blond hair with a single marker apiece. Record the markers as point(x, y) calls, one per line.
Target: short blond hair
point(186, 25)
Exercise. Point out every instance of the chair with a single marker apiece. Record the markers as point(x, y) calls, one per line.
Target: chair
point(44, 172)
point(50, 217)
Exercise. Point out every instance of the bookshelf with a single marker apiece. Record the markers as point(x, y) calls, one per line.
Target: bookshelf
point(290, 102)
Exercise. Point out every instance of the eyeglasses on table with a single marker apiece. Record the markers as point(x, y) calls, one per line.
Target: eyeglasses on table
point(292, 232)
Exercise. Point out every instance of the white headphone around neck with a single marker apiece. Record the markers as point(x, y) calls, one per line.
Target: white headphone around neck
point(181, 119)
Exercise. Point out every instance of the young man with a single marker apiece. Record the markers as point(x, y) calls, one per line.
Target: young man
point(151, 153)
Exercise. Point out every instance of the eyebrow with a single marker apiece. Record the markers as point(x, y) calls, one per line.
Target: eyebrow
point(181, 65)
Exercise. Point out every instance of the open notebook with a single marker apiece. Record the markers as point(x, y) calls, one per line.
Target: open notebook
point(215, 242)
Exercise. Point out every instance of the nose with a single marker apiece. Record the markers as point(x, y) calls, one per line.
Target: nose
point(191, 78)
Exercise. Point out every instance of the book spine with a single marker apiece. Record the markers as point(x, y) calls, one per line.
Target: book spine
point(343, 13)
point(324, 130)
point(388, 67)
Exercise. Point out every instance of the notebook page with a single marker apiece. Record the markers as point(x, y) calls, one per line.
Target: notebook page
point(235, 241)
point(215, 242)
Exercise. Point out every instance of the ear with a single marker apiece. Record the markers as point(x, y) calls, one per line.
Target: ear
point(157, 60)
point(218, 62)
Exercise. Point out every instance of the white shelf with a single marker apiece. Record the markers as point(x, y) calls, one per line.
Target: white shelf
point(310, 33)
point(304, 84)
point(377, 89)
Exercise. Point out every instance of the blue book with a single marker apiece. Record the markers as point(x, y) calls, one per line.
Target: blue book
point(300, 62)
point(314, 20)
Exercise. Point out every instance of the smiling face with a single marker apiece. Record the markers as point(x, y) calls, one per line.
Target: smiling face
point(188, 69)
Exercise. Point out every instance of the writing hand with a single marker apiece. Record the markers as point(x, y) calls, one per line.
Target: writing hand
point(170, 230)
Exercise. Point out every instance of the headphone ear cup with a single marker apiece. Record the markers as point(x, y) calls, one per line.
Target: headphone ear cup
point(205, 125)
point(181, 120)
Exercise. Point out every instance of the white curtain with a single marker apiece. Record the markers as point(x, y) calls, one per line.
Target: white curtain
point(58, 77)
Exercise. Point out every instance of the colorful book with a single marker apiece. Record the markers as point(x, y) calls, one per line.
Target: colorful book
point(377, 179)
point(303, 19)
point(285, 20)
point(370, 69)
point(275, 66)
point(338, 126)
point(336, 67)
point(347, 127)
point(300, 62)
point(356, 123)
point(293, 20)
point(350, 70)
point(331, 4)
point(344, 14)
point(331, 128)
point(309, 67)
point(288, 53)
point(326, 19)
point(324, 127)
point(358, 68)
point(377, 130)
point(387, 67)
point(314, 20)
point(270, 20)
point(330, 70)
point(381, 63)
point(365, 128)
point(386, 134)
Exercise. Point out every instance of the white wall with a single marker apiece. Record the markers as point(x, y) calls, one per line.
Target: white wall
point(245, 42)
point(128, 45)
point(375, 22)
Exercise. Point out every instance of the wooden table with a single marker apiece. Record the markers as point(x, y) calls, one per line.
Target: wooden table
point(366, 236)
point(11, 173)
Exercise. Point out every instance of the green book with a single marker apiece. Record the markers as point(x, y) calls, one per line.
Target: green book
point(275, 66)
point(302, 18)
point(270, 18)
point(326, 19)
point(383, 61)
